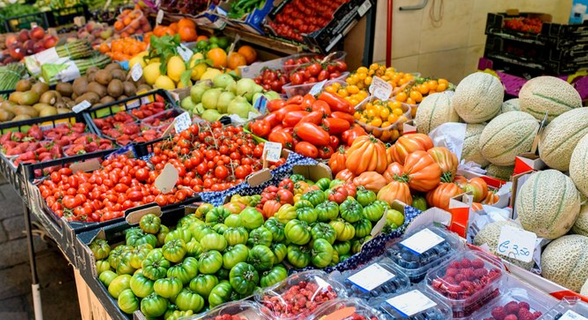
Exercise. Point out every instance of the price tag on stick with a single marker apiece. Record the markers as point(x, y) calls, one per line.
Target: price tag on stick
point(159, 17)
point(516, 243)
point(272, 151)
point(81, 106)
point(185, 52)
point(182, 122)
point(380, 89)
point(316, 89)
point(136, 72)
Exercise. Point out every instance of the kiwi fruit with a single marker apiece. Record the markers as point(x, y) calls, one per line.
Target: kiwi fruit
point(60, 103)
point(23, 85)
point(92, 69)
point(115, 88)
point(91, 77)
point(15, 96)
point(40, 106)
point(107, 99)
point(40, 88)
point(63, 110)
point(28, 98)
point(113, 66)
point(97, 88)
point(48, 111)
point(123, 97)
point(6, 115)
point(92, 97)
point(50, 97)
point(21, 117)
point(143, 87)
point(8, 106)
point(140, 81)
point(129, 88)
point(103, 77)
point(80, 86)
point(66, 89)
point(26, 110)
point(119, 74)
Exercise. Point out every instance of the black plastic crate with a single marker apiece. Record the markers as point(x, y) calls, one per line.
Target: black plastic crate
point(538, 53)
point(15, 24)
point(65, 16)
point(495, 24)
point(528, 70)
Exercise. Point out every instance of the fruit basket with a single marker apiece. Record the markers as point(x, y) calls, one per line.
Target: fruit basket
point(439, 245)
point(467, 282)
point(347, 309)
point(414, 303)
point(568, 309)
point(371, 113)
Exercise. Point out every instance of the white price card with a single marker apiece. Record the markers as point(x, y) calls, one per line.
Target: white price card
point(159, 17)
point(81, 106)
point(272, 151)
point(516, 243)
point(316, 89)
point(571, 315)
point(422, 241)
point(411, 303)
point(182, 122)
point(185, 52)
point(371, 277)
point(380, 89)
point(136, 72)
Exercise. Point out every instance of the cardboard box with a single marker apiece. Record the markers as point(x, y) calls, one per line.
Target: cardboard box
point(251, 21)
point(528, 162)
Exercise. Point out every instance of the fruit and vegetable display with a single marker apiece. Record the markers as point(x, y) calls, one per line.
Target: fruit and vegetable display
point(131, 22)
point(25, 43)
point(94, 32)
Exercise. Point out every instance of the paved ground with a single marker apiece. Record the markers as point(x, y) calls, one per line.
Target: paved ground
point(58, 290)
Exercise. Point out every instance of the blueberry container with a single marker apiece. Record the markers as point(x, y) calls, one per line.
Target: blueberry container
point(419, 251)
point(571, 308)
point(467, 281)
point(414, 303)
point(347, 309)
point(373, 280)
point(238, 310)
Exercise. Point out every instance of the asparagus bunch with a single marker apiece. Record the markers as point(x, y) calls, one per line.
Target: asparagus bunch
point(10, 75)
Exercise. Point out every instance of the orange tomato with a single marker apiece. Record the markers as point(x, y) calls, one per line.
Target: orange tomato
point(218, 57)
point(249, 53)
point(174, 27)
point(440, 196)
point(421, 171)
point(187, 34)
point(185, 22)
point(402, 96)
point(395, 190)
point(235, 60)
point(447, 160)
point(202, 37)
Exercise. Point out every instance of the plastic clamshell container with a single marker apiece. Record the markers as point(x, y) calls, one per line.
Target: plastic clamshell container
point(336, 56)
point(516, 298)
point(302, 89)
point(243, 310)
point(571, 308)
point(276, 299)
point(347, 309)
point(385, 134)
point(467, 281)
point(414, 264)
point(374, 279)
point(414, 303)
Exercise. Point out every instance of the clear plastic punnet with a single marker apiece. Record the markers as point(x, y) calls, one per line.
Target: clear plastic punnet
point(373, 280)
point(467, 281)
point(299, 295)
point(422, 249)
point(240, 310)
point(302, 89)
point(346, 309)
point(571, 308)
point(414, 303)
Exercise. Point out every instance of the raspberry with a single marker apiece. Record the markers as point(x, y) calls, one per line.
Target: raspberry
point(451, 272)
point(454, 264)
point(465, 263)
point(511, 317)
point(525, 314)
point(537, 314)
point(467, 286)
point(468, 273)
point(524, 305)
point(449, 279)
point(499, 313)
point(479, 273)
point(478, 263)
point(512, 307)
point(459, 277)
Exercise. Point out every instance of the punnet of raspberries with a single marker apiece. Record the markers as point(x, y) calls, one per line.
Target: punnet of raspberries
point(514, 311)
point(464, 278)
point(302, 298)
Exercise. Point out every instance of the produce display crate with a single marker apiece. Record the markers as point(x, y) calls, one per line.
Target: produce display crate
point(495, 24)
point(520, 67)
point(15, 24)
point(64, 16)
point(534, 52)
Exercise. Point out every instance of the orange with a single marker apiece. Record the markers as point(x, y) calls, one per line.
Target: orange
point(127, 21)
point(158, 31)
point(249, 53)
point(218, 57)
point(202, 38)
point(185, 22)
point(188, 34)
point(104, 47)
point(236, 59)
point(174, 27)
point(168, 30)
point(117, 46)
point(119, 25)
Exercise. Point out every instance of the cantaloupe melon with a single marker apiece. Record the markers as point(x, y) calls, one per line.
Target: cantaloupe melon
point(500, 172)
point(548, 204)
point(581, 224)
point(511, 105)
point(434, 111)
point(478, 97)
point(507, 136)
point(565, 261)
point(490, 234)
point(471, 145)
point(548, 94)
point(561, 136)
point(579, 165)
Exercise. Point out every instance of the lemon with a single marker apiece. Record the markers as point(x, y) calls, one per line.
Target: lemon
point(138, 59)
point(181, 84)
point(175, 67)
point(165, 82)
point(210, 74)
point(151, 72)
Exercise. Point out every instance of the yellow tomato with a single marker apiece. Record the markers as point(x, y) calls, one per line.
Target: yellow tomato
point(370, 113)
point(398, 111)
point(377, 122)
point(386, 124)
point(409, 100)
point(361, 76)
point(441, 87)
point(402, 97)
point(416, 96)
point(343, 93)
point(357, 115)
point(362, 70)
point(367, 81)
point(392, 118)
point(374, 66)
point(331, 89)
point(384, 113)
point(353, 101)
point(352, 89)
point(432, 84)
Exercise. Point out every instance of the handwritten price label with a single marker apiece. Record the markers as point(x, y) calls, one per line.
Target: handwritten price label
point(272, 151)
point(380, 89)
point(136, 72)
point(571, 315)
point(182, 122)
point(516, 243)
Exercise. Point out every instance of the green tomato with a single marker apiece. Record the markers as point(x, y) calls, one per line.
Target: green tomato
point(106, 277)
point(273, 276)
point(213, 241)
point(210, 262)
point(117, 254)
point(217, 215)
point(189, 300)
point(419, 202)
point(344, 229)
point(127, 301)
point(342, 248)
point(236, 235)
point(154, 306)
point(335, 259)
point(100, 248)
point(315, 197)
point(188, 220)
point(351, 210)
point(308, 215)
point(276, 228)
point(261, 257)
point(327, 211)
point(363, 228)
point(150, 223)
point(260, 236)
point(194, 248)
point(200, 230)
point(251, 218)
point(297, 177)
point(118, 284)
point(137, 240)
point(163, 231)
point(222, 274)
point(220, 228)
point(323, 183)
point(373, 211)
point(364, 196)
point(180, 233)
point(303, 204)
point(124, 266)
point(321, 253)
point(321, 230)
point(286, 213)
point(101, 266)
point(233, 221)
point(174, 250)
point(203, 284)
point(171, 314)
point(235, 254)
point(298, 256)
point(394, 217)
point(141, 285)
point(155, 265)
point(138, 254)
point(184, 271)
point(335, 183)
point(344, 257)
point(167, 287)
point(243, 278)
point(221, 293)
point(297, 232)
point(384, 204)
point(280, 251)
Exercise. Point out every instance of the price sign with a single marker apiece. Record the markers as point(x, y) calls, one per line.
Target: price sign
point(136, 72)
point(185, 52)
point(261, 104)
point(516, 243)
point(182, 122)
point(81, 106)
point(316, 89)
point(380, 89)
point(411, 303)
point(422, 241)
point(272, 151)
point(371, 277)
point(571, 315)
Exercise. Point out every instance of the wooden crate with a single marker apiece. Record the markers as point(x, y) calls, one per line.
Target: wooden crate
point(90, 306)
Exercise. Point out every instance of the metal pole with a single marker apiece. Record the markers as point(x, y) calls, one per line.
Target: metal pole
point(36, 290)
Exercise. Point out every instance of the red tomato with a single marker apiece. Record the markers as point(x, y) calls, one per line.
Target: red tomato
point(307, 149)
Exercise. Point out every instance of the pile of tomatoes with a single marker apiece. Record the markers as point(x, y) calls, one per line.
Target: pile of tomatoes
point(271, 79)
point(415, 92)
point(316, 71)
point(383, 118)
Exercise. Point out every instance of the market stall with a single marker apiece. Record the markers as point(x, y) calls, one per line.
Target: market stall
point(209, 165)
